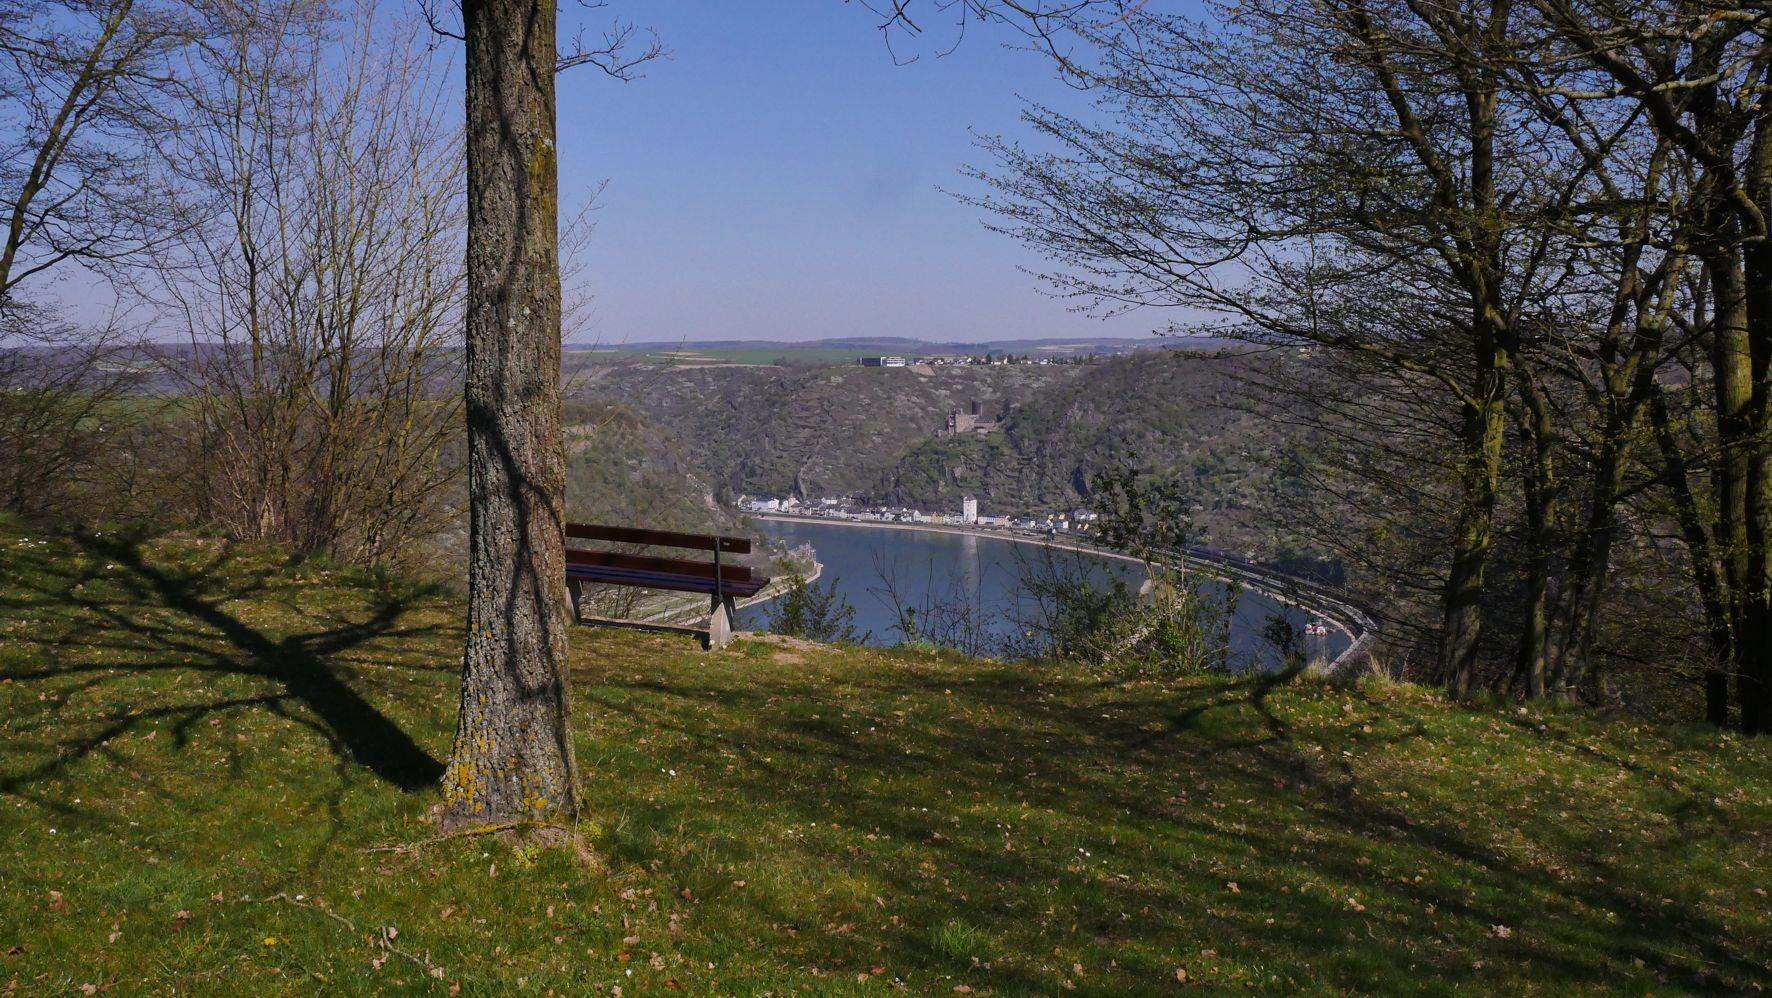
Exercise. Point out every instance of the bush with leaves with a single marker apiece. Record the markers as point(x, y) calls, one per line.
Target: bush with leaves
point(1169, 627)
point(817, 613)
point(1166, 627)
point(1148, 516)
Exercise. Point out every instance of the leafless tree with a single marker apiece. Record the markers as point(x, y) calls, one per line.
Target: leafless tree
point(1316, 172)
point(83, 83)
point(1548, 219)
point(1697, 75)
point(317, 277)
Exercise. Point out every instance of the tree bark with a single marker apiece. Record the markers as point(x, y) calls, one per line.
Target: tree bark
point(1711, 597)
point(1732, 363)
point(513, 756)
point(1483, 424)
point(1480, 439)
point(1541, 514)
point(1753, 677)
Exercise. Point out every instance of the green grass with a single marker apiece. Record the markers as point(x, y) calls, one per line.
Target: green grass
point(206, 754)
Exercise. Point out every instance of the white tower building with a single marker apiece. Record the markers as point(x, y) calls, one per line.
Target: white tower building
point(969, 510)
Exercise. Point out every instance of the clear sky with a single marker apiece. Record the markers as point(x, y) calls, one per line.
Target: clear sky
point(777, 178)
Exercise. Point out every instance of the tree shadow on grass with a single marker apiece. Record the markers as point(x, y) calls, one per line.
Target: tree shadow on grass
point(209, 638)
point(1188, 771)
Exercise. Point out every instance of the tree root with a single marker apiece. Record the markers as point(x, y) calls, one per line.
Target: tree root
point(522, 832)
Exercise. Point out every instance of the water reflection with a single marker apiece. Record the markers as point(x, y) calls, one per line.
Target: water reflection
point(979, 580)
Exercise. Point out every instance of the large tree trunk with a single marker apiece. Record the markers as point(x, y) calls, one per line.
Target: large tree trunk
point(513, 755)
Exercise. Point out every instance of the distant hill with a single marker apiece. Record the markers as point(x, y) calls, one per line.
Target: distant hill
point(907, 346)
point(876, 433)
point(1157, 411)
point(826, 430)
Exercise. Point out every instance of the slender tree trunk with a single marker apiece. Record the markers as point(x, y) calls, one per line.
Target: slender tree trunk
point(1541, 499)
point(513, 755)
point(1480, 439)
point(1711, 598)
point(1732, 361)
point(1591, 558)
point(1753, 666)
point(1753, 676)
point(1483, 425)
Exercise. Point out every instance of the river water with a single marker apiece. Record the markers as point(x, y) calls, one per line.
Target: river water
point(875, 567)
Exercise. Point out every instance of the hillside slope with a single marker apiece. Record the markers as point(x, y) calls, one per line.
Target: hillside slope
point(818, 431)
point(215, 766)
point(874, 432)
point(1161, 411)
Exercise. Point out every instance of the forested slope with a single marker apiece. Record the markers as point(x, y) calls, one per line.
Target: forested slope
point(874, 433)
point(819, 430)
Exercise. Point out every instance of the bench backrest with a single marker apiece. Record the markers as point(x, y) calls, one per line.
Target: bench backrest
point(658, 538)
point(716, 572)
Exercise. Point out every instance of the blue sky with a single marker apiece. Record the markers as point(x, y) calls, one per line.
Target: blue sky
point(777, 178)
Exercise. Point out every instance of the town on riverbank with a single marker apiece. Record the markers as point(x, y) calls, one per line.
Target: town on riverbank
point(1077, 522)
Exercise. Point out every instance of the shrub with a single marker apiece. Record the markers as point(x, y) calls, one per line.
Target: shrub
point(814, 612)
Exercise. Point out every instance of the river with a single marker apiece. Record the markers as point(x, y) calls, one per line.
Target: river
point(983, 576)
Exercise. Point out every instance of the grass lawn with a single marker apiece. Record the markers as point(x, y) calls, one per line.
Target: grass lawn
point(215, 769)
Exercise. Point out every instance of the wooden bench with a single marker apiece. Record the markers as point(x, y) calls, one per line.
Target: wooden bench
point(721, 580)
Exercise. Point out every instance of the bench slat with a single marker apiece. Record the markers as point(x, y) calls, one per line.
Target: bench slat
point(661, 566)
point(612, 576)
point(660, 538)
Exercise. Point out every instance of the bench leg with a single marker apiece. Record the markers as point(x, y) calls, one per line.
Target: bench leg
point(575, 596)
point(720, 623)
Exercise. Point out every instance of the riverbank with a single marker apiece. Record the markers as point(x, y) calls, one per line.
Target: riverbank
point(1303, 594)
